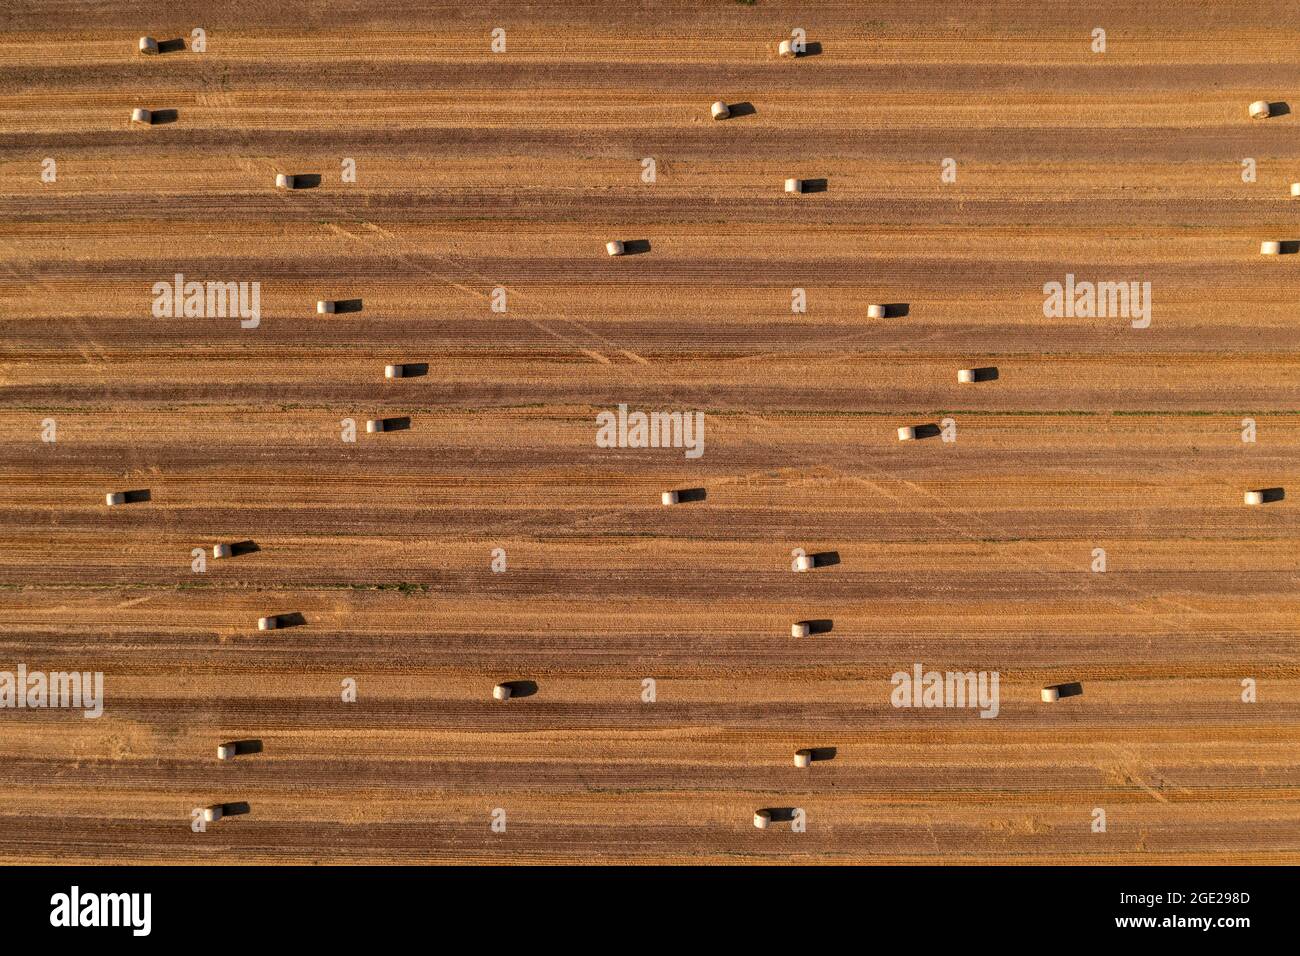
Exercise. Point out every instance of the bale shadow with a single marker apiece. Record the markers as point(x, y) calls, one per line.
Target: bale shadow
point(928, 431)
point(163, 117)
point(822, 625)
point(1273, 494)
point(821, 753)
point(987, 374)
point(635, 247)
point(520, 688)
point(306, 180)
point(897, 310)
point(139, 495)
point(399, 424)
point(414, 369)
point(243, 547)
point(344, 306)
point(236, 809)
point(171, 46)
point(740, 109)
point(1289, 247)
point(816, 185)
point(1279, 108)
point(245, 747)
point(292, 619)
point(825, 559)
point(686, 495)
point(780, 814)
point(1072, 689)
point(811, 48)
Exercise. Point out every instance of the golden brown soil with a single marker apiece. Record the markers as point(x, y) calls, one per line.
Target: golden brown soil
point(478, 170)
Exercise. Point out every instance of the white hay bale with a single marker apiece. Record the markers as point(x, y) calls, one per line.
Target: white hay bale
point(965, 375)
point(1050, 695)
point(803, 563)
point(394, 371)
point(762, 818)
point(374, 425)
point(794, 185)
point(325, 306)
point(720, 110)
point(671, 497)
point(875, 311)
point(225, 751)
point(222, 551)
point(1254, 497)
point(283, 181)
point(212, 814)
point(907, 433)
point(501, 692)
point(802, 758)
point(142, 116)
point(268, 623)
point(801, 629)
point(785, 48)
point(1295, 189)
point(1270, 248)
point(148, 45)
point(614, 248)
point(1260, 109)
point(115, 498)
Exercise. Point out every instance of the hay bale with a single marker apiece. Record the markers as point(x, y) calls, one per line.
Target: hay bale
point(762, 818)
point(803, 563)
point(1050, 695)
point(1270, 248)
point(501, 692)
point(148, 45)
point(800, 629)
point(615, 248)
point(212, 814)
point(1260, 110)
point(374, 425)
point(671, 497)
point(225, 751)
point(394, 371)
point(268, 623)
point(875, 311)
point(1254, 497)
point(115, 498)
point(142, 116)
point(283, 181)
point(720, 110)
point(965, 375)
point(907, 433)
point(802, 758)
point(794, 185)
point(222, 551)
point(786, 49)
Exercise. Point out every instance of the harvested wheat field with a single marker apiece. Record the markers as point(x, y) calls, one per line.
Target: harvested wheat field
point(1076, 516)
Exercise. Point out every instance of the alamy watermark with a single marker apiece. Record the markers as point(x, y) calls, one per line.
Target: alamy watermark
point(922, 688)
point(1098, 300)
point(208, 300)
point(39, 689)
point(624, 429)
point(75, 908)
